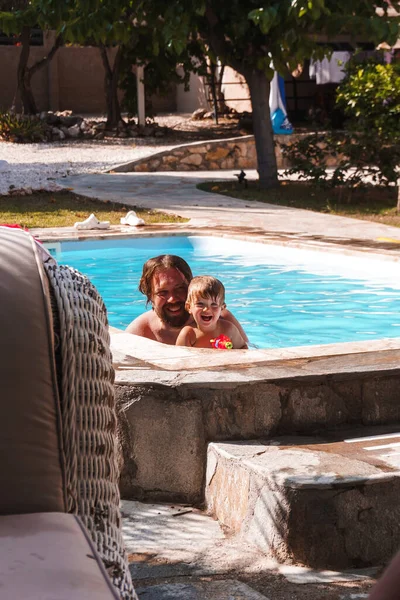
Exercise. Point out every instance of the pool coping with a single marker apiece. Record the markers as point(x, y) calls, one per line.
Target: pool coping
point(141, 360)
point(383, 249)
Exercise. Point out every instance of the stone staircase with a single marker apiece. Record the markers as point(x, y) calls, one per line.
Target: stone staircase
point(296, 461)
point(329, 501)
point(273, 506)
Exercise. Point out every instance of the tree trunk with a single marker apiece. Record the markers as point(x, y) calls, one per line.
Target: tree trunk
point(213, 91)
point(259, 87)
point(36, 67)
point(111, 87)
point(23, 85)
point(223, 108)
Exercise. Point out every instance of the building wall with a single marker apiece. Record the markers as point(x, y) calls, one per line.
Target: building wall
point(9, 56)
point(80, 79)
point(235, 90)
point(194, 98)
point(73, 80)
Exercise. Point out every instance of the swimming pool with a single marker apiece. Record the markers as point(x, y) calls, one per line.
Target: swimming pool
point(282, 296)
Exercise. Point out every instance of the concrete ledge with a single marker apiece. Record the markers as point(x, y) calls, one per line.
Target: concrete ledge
point(325, 502)
point(173, 402)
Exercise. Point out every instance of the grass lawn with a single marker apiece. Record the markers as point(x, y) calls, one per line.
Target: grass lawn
point(372, 203)
point(63, 209)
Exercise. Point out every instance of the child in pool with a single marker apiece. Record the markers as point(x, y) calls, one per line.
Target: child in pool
point(205, 301)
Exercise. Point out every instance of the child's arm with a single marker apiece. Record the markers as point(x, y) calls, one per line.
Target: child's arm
point(186, 337)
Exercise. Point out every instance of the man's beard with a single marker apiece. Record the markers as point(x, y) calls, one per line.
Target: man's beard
point(173, 321)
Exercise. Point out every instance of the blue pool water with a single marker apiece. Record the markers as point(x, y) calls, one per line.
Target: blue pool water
point(282, 297)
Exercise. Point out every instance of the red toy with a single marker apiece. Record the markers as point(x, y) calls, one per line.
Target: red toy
point(222, 342)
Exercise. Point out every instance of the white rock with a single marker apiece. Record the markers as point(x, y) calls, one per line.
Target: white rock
point(57, 132)
point(74, 131)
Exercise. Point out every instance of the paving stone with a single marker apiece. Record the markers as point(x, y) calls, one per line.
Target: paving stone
point(174, 541)
point(304, 575)
point(202, 590)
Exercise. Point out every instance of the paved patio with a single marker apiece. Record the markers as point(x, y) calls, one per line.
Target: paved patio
point(176, 193)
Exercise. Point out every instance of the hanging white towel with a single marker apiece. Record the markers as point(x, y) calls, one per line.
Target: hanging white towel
point(329, 70)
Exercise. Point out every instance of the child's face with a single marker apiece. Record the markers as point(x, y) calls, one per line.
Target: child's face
point(206, 312)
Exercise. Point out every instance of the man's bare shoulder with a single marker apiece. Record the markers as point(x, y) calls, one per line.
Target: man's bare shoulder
point(226, 315)
point(186, 337)
point(233, 332)
point(142, 325)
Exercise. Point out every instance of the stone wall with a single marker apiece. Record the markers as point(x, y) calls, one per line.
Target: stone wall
point(233, 153)
point(166, 427)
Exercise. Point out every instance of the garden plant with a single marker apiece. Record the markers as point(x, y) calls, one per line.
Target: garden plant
point(368, 149)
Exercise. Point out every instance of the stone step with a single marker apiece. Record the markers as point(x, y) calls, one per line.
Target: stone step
point(325, 502)
point(228, 589)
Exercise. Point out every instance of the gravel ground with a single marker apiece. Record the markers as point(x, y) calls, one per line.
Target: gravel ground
point(37, 166)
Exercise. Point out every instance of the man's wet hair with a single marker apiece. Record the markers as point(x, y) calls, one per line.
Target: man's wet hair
point(205, 286)
point(160, 263)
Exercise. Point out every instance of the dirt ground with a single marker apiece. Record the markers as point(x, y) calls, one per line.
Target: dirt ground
point(184, 128)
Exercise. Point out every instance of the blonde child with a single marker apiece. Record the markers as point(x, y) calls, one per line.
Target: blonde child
point(205, 301)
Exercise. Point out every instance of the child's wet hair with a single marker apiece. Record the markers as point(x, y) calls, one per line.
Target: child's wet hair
point(205, 286)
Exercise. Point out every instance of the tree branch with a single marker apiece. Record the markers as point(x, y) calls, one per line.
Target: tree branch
point(40, 63)
point(219, 44)
point(106, 62)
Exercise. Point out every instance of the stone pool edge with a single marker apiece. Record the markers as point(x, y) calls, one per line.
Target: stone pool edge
point(132, 353)
point(172, 403)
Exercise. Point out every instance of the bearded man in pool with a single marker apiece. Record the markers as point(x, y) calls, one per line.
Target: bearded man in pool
point(164, 282)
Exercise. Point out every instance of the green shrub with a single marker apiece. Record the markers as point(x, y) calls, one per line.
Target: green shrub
point(353, 156)
point(370, 146)
point(370, 97)
point(21, 128)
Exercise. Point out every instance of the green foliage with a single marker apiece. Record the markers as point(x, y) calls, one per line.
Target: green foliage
point(254, 37)
point(160, 71)
point(370, 97)
point(16, 14)
point(370, 146)
point(355, 156)
point(21, 128)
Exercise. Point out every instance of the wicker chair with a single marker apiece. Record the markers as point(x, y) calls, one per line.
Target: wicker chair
point(58, 400)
